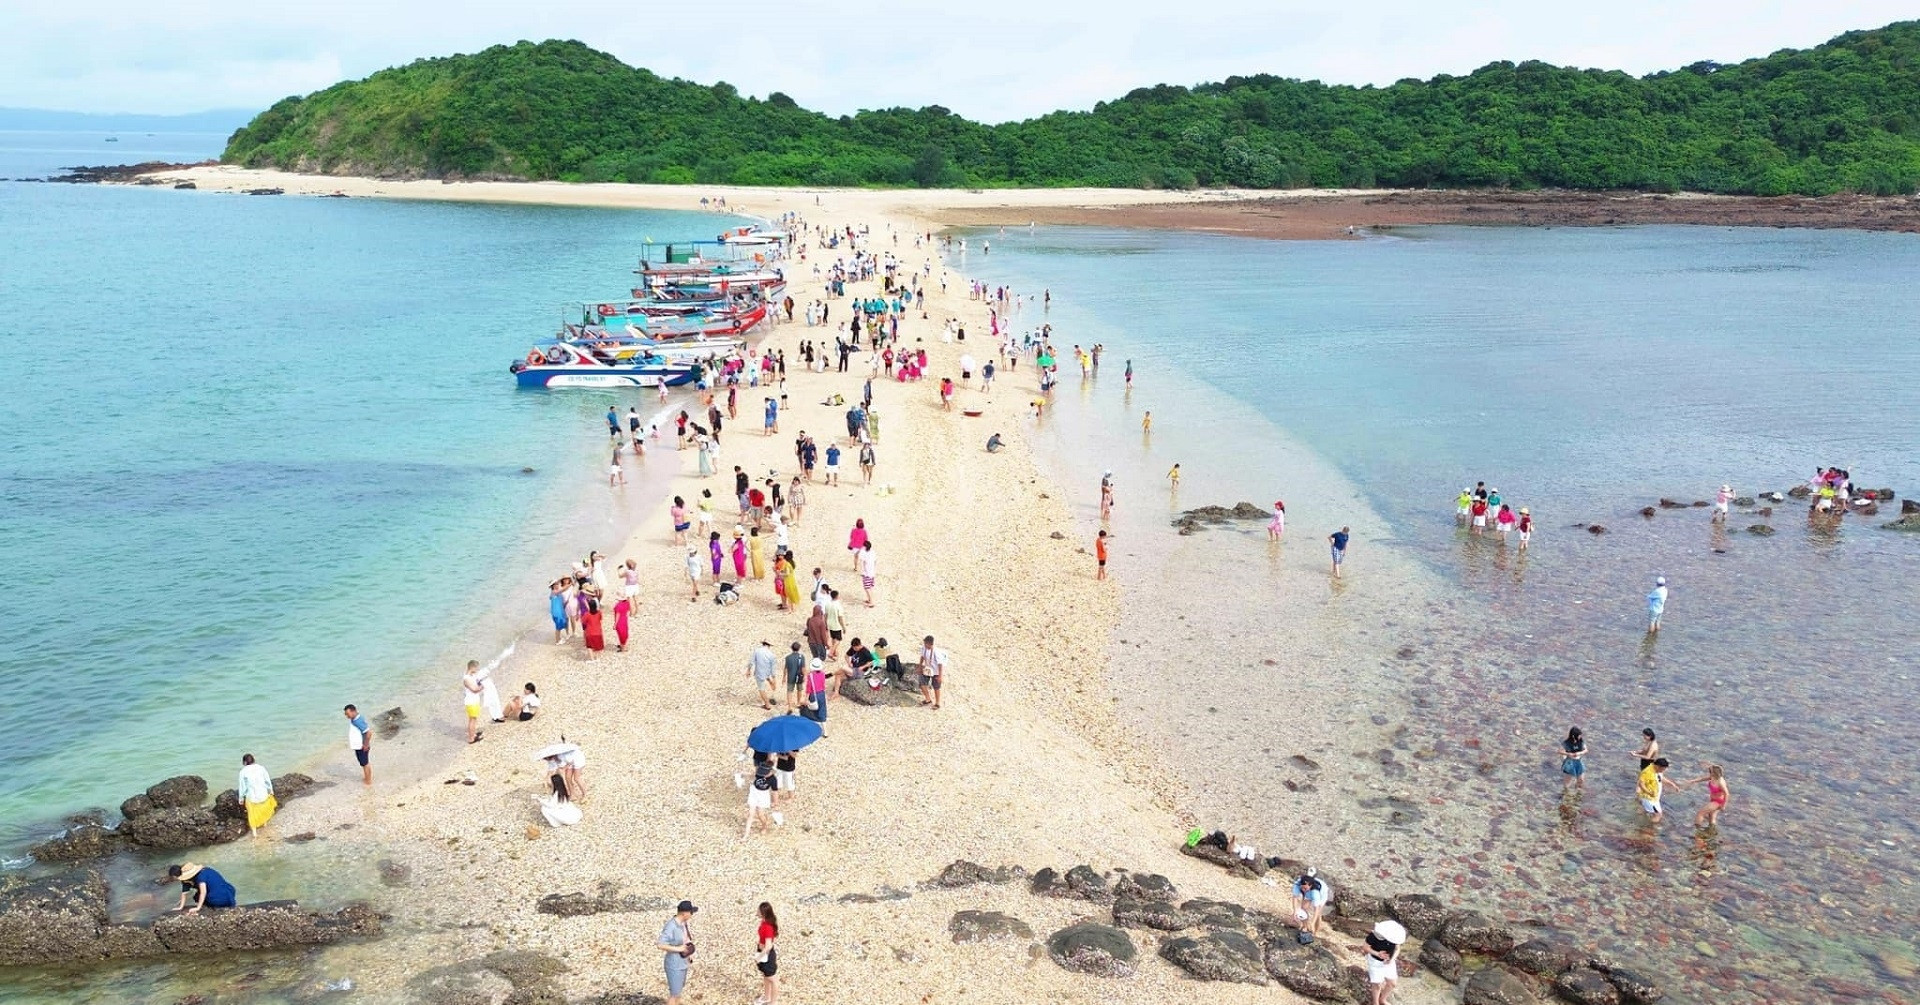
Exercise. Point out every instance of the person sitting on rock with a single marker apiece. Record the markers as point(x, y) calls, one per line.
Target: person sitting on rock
point(207, 887)
point(1310, 894)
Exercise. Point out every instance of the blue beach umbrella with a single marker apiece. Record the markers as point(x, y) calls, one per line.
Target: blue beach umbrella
point(783, 734)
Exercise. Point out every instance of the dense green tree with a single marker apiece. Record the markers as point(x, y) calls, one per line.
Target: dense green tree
point(1843, 116)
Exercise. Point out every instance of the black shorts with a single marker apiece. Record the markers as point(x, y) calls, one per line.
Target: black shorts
point(934, 682)
point(836, 634)
point(361, 756)
point(772, 966)
point(526, 716)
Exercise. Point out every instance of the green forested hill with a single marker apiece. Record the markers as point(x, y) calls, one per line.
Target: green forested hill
point(1844, 116)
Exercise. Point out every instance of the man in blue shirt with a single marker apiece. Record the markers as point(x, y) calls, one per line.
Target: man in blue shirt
point(360, 741)
point(772, 424)
point(1339, 540)
point(613, 423)
point(833, 464)
point(204, 886)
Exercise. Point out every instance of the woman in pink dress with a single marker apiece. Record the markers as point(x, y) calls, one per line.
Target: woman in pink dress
point(621, 610)
point(1278, 528)
point(739, 555)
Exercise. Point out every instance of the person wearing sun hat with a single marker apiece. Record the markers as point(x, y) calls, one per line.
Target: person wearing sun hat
point(1277, 528)
point(1526, 527)
point(206, 887)
point(1383, 954)
point(1656, 604)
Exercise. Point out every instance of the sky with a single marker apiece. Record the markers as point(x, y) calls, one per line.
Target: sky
point(991, 60)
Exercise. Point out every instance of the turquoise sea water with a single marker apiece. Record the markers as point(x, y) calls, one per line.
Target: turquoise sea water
point(1586, 373)
point(263, 457)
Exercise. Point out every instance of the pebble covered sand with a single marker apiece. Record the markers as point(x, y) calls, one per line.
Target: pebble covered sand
point(1026, 764)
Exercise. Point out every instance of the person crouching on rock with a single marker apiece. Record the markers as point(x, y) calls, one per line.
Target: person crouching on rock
point(204, 886)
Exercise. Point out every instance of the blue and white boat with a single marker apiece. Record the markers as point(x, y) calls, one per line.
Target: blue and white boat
point(565, 364)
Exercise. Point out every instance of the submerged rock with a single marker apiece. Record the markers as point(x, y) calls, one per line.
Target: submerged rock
point(1760, 530)
point(176, 828)
point(1542, 958)
point(1092, 948)
point(1586, 987)
point(1471, 932)
point(1217, 956)
point(981, 926)
point(80, 843)
point(1635, 987)
point(1495, 986)
point(1909, 523)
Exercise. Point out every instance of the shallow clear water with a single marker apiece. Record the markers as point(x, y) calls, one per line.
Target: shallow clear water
point(1586, 373)
point(263, 458)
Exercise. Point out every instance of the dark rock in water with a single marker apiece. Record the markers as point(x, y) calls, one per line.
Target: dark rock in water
point(394, 873)
point(1310, 970)
point(1443, 961)
point(1351, 903)
point(1586, 987)
point(1648, 512)
point(177, 828)
point(63, 919)
point(1216, 913)
point(1701, 504)
point(80, 843)
point(1866, 508)
point(1544, 959)
point(387, 724)
point(1160, 915)
point(964, 873)
point(1760, 530)
point(1908, 507)
point(265, 191)
point(1217, 956)
point(1672, 504)
point(1092, 948)
point(186, 185)
point(1421, 913)
point(1743, 500)
point(136, 806)
point(526, 471)
point(1884, 495)
point(302, 838)
point(1197, 519)
point(227, 806)
point(1472, 932)
point(981, 926)
point(1799, 492)
point(1910, 523)
point(1145, 886)
point(177, 792)
point(1765, 511)
point(1495, 986)
point(1596, 529)
point(1635, 987)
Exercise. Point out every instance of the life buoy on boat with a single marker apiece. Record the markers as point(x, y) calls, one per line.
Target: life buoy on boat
point(534, 358)
point(607, 309)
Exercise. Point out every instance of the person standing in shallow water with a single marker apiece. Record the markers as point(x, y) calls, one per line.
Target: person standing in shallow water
point(1656, 604)
point(1573, 752)
point(1649, 748)
point(1338, 542)
point(1716, 779)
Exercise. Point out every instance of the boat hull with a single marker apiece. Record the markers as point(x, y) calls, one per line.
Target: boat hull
point(601, 376)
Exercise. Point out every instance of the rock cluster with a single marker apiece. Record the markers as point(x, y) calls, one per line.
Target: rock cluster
point(1205, 516)
point(63, 919)
point(170, 815)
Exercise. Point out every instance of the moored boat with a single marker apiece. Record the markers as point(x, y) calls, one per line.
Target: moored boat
point(564, 364)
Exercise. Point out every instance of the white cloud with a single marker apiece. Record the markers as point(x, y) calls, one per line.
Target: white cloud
point(990, 59)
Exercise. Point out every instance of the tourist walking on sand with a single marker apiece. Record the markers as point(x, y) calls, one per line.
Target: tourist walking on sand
point(867, 565)
point(1716, 779)
point(739, 553)
point(1338, 539)
point(1100, 555)
point(256, 794)
point(817, 638)
point(757, 552)
point(693, 572)
point(857, 539)
point(360, 741)
point(622, 625)
point(816, 696)
point(1277, 527)
point(680, 520)
point(676, 947)
point(1656, 604)
point(796, 677)
point(470, 695)
point(767, 959)
point(761, 666)
point(933, 671)
point(760, 793)
point(866, 462)
point(1573, 753)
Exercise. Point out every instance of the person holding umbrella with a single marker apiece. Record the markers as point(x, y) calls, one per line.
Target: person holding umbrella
point(1383, 954)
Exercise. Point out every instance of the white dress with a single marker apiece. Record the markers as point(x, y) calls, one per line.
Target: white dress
point(490, 697)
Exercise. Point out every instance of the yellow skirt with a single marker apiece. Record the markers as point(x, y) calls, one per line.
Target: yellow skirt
point(259, 813)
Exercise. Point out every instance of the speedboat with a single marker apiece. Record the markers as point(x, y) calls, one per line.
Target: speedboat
point(565, 364)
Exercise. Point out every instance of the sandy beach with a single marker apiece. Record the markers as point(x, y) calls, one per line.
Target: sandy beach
point(1027, 764)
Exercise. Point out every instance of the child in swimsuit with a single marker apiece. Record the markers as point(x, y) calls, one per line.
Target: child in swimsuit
point(1716, 780)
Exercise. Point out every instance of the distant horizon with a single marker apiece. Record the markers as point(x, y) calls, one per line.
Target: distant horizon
point(211, 120)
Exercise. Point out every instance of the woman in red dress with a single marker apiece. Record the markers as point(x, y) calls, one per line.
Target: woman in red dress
point(590, 627)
